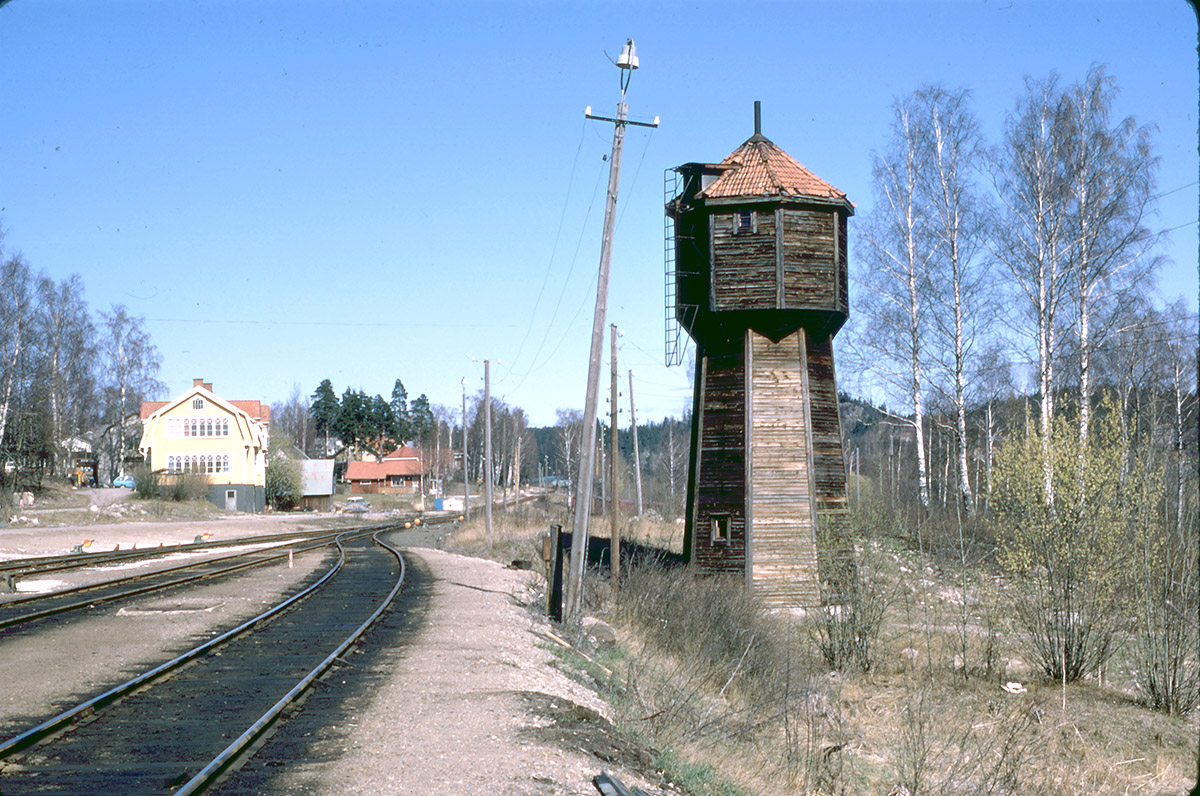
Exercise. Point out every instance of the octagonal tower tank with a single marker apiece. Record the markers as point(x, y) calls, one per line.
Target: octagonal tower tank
point(757, 276)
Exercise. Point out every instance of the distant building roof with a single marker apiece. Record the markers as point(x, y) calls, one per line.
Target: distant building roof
point(402, 453)
point(377, 471)
point(256, 409)
point(760, 168)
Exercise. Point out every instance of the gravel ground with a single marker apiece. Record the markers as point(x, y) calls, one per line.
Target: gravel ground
point(474, 703)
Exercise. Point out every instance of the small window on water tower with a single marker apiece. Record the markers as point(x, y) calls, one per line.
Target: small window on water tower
point(720, 528)
point(745, 221)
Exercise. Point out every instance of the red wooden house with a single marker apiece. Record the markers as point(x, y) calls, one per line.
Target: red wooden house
point(400, 471)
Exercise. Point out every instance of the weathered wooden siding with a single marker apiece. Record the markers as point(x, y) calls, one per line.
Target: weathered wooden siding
point(836, 565)
point(784, 550)
point(830, 468)
point(843, 260)
point(743, 263)
point(720, 461)
point(809, 274)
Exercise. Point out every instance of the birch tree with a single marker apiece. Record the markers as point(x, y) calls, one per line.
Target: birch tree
point(16, 317)
point(957, 223)
point(66, 351)
point(129, 376)
point(1111, 180)
point(570, 434)
point(1181, 337)
point(293, 418)
point(1032, 182)
point(895, 280)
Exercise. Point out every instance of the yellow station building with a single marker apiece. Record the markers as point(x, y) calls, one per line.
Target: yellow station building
point(224, 441)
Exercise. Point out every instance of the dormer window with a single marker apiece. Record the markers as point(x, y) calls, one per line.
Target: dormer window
point(745, 222)
point(197, 403)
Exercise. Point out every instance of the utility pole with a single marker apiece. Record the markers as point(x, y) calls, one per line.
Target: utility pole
point(627, 62)
point(637, 459)
point(466, 477)
point(602, 468)
point(517, 474)
point(487, 449)
point(614, 552)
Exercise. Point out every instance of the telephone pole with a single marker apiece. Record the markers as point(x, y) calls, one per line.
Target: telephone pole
point(637, 459)
point(627, 62)
point(614, 552)
point(487, 448)
point(466, 477)
point(516, 475)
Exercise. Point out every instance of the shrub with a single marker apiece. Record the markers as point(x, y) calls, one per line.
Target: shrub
point(188, 486)
point(145, 482)
point(285, 484)
point(711, 623)
point(1069, 549)
point(846, 633)
point(1166, 604)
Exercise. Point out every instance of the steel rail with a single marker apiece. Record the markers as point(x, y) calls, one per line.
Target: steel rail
point(40, 565)
point(219, 764)
point(328, 536)
point(30, 617)
point(34, 734)
point(18, 568)
point(142, 575)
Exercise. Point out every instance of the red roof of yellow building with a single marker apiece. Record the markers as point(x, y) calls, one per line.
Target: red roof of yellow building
point(256, 409)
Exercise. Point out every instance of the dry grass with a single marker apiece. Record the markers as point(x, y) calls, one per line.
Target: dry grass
point(706, 674)
point(58, 494)
point(516, 534)
point(656, 533)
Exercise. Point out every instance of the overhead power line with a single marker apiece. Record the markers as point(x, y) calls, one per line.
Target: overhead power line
point(371, 324)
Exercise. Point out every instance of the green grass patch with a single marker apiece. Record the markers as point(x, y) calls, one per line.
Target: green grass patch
point(697, 779)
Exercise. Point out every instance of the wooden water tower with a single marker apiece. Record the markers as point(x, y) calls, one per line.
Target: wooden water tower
point(757, 276)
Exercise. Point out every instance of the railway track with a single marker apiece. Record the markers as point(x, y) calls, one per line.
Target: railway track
point(180, 726)
point(20, 611)
point(12, 571)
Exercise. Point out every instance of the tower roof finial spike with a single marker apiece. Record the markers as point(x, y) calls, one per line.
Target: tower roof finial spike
point(758, 117)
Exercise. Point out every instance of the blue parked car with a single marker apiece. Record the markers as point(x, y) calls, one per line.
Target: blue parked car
point(124, 480)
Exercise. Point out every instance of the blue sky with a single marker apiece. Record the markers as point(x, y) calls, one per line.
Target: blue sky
point(362, 191)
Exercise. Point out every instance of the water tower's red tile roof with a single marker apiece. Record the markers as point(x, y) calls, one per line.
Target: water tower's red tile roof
point(763, 169)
